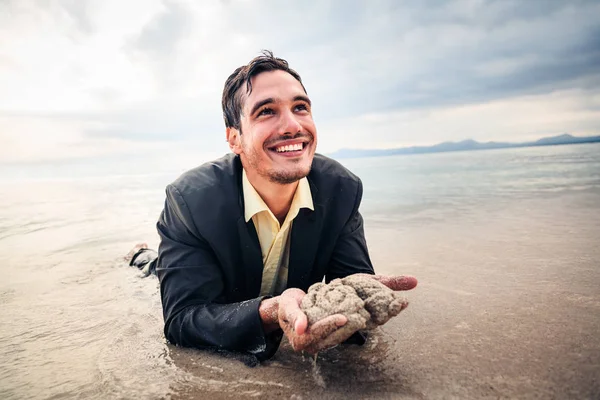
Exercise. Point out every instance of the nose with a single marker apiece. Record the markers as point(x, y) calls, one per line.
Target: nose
point(290, 125)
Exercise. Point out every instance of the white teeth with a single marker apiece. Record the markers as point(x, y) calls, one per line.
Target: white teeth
point(289, 147)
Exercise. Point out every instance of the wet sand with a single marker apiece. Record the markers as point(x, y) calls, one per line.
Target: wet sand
point(500, 312)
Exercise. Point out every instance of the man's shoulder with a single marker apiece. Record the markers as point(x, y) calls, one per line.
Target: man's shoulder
point(223, 176)
point(207, 197)
point(328, 171)
point(214, 176)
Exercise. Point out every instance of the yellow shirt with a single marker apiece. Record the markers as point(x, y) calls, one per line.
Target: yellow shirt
point(273, 238)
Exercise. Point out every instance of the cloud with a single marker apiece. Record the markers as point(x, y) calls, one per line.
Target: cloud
point(106, 75)
point(46, 139)
point(512, 120)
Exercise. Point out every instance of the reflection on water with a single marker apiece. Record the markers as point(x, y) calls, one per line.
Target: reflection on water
point(157, 368)
point(505, 244)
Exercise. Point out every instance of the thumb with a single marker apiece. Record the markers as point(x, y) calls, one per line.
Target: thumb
point(301, 323)
point(291, 315)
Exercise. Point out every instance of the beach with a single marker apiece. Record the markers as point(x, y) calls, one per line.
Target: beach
point(505, 244)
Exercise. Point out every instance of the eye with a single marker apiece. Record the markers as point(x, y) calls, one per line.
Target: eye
point(301, 107)
point(266, 111)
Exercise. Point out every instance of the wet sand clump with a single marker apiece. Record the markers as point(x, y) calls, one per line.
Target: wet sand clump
point(366, 303)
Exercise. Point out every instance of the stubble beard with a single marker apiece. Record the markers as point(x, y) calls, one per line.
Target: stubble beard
point(273, 175)
point(285, 178)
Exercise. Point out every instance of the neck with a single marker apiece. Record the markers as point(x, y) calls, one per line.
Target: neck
point(277, 197)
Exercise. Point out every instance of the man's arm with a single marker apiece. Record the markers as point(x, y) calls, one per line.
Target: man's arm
point(195, 309)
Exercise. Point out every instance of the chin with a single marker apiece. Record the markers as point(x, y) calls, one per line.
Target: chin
point(289, 176)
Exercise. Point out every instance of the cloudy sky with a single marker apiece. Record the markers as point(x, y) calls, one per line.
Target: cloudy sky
point(106, 78)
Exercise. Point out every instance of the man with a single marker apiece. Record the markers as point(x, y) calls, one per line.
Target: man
point(244, 236)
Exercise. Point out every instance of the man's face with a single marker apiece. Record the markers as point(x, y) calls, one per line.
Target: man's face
point(278, 136)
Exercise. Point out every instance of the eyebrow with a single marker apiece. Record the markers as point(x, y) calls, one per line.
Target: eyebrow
point(270, 100)
point(303, 98)
point(261, 103)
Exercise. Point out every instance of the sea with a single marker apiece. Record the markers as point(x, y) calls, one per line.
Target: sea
point(505, 244)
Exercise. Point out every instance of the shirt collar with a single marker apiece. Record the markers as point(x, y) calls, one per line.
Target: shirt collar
point(254, 204)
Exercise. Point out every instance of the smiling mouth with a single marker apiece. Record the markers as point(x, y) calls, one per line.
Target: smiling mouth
point(289, 148)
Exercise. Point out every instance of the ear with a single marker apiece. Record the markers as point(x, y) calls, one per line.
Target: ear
point(234, 139)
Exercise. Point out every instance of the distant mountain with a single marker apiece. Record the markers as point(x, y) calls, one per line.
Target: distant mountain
point(465, 145)
point(565, 139)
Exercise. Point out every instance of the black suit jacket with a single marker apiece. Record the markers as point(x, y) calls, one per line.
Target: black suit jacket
point(210, 262)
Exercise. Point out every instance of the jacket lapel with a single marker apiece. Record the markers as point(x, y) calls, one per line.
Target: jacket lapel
point(251, 256)
point(306, 231)
point(250, 246)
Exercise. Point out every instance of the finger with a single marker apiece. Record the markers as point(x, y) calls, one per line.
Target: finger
point(397, 306)
point(332, 340)
point(325, 327)
point(397, 282)
point(317, 332)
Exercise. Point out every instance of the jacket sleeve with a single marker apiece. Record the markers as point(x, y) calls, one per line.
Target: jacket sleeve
point(192, 291)
point(350, 254)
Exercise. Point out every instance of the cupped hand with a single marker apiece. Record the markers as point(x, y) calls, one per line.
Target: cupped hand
point(380, 295)
point(295, 324)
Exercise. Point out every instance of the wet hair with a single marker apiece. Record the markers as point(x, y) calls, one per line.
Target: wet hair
point(232, 100)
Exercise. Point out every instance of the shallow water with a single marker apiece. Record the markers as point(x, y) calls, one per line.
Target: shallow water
point(505, 243)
